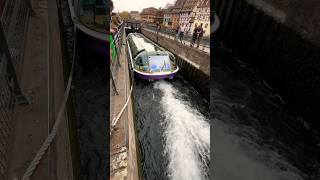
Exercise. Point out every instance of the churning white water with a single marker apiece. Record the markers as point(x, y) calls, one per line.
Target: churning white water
point(187, 136)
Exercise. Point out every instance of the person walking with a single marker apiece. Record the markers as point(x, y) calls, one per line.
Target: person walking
point(199, 35)
point(177, 33)
point(181, 34)
point(158, 30)
point(158, 26)
point(194, 36)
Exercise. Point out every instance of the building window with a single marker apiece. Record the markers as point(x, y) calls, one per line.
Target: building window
point(206, 25)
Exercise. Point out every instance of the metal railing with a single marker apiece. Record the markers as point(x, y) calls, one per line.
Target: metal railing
point(115, 50)
point(12, 31)
point(6, 113)
point(14, 19)
point(171, 33)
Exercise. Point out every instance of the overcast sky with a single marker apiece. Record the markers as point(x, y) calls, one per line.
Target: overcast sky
point(138, 5)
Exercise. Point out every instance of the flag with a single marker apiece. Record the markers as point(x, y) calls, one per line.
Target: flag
point(113, 48)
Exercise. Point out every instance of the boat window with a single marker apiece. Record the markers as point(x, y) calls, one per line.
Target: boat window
point(141, 61)
point(159, 63)
point(94, 15)
point(138, 52)
point(142, 64)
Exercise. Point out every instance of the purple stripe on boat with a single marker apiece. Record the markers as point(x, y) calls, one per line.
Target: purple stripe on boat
point(155, 77)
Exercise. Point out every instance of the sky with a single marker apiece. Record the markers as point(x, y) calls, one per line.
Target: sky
point(138, 5)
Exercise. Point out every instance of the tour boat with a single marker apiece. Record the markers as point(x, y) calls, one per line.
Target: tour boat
point(91, 25)
point(132, 27)
point(148, 60)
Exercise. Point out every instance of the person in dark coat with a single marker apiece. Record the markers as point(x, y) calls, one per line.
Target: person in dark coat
point(194, 36)
point(177, 33)
point(199, 35)
point(181, 34)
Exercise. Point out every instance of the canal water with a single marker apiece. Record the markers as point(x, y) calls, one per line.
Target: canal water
point(91, 101)
point(173, 130)
point(92, 118)
point(256, 134)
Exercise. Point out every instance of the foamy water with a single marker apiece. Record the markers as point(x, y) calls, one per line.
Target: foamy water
point(186, 134)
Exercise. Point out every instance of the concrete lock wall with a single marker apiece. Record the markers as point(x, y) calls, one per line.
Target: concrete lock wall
point(194, 64)
point(281, 39)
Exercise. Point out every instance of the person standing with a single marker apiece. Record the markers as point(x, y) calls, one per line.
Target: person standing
point(199, 35)
point(158, 26)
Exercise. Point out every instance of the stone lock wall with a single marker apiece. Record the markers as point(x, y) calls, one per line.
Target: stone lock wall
point(281, 39)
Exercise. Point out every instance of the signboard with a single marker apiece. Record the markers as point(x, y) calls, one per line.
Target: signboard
point(159, 63)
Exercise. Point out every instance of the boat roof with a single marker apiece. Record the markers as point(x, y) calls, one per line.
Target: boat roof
point(139, 43)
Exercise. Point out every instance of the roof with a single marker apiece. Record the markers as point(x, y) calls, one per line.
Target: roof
point(168, 10)
point(189, 5)
point(179, 3)
point(178, 6)
point(160, 12)
point(149, 11)
point(204, 3)
point(138, 42)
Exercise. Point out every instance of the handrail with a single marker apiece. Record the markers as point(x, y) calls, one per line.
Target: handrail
point(187, 36)
point(117, 38)
point(46, 144)
point(115, 47)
